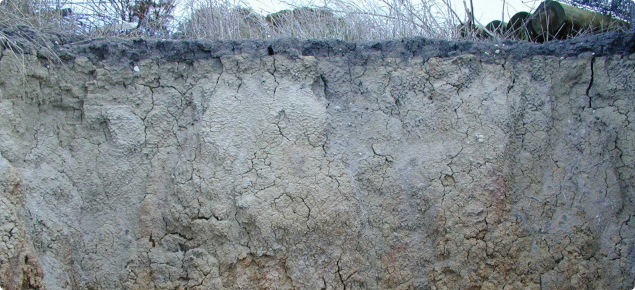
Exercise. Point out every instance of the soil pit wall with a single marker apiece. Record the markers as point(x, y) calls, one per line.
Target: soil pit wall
point(290, 164)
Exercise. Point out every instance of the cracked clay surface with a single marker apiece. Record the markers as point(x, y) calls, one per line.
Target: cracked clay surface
point(328, 166)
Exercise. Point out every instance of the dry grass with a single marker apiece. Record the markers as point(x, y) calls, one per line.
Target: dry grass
point(23, 27)
point(350, 20)
point(39, 15)
point(341, 19)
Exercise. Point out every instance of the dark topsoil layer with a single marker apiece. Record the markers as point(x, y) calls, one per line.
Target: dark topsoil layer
point(121, 51)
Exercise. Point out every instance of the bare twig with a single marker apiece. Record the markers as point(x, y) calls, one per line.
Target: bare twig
point(503, 12)
point(472, 10)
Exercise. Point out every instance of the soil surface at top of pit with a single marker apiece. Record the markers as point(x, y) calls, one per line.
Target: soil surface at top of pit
point(65, 48)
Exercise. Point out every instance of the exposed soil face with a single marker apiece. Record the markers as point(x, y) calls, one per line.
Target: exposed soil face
point(292, 164)
point(123, 51)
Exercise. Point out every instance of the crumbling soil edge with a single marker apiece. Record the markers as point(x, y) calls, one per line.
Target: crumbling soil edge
point(118, 51)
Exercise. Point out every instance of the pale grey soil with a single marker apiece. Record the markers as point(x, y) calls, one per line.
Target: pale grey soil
point(414, 164)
